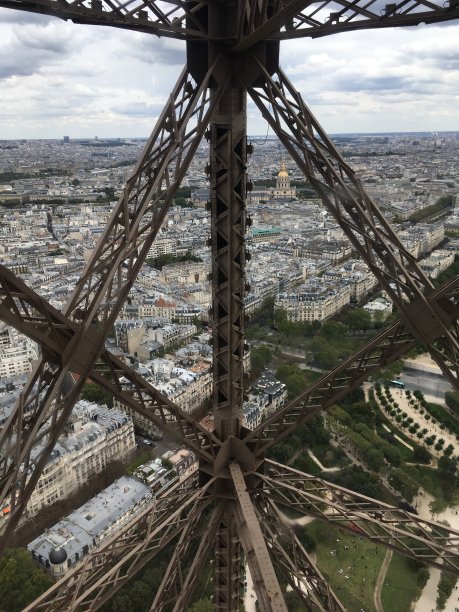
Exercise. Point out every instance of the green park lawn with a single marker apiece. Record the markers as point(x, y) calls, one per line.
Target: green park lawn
point(401, 589)
point(361, 561)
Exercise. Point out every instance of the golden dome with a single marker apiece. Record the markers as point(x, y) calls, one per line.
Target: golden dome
point(283, 172)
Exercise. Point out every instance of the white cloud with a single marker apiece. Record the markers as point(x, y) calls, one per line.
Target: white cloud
point(60, 78)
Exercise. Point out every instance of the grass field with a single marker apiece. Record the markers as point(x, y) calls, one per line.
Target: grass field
point(401, 589)
point(359, 560)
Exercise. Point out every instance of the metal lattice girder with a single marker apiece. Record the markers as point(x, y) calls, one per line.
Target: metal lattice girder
point(264, 577)
point(187, 562)
point(106, 569)
point(29, 435)
point(296, 565)
point(300, 18)
point(388, 346)
point(129, 234)
point(31, 314)
point(228, 563)
point(385, 348)
point(171, 18)
point(394, 528)
point(364, 224)
point(228, 192)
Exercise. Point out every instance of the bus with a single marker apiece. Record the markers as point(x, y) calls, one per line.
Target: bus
point(397, 383)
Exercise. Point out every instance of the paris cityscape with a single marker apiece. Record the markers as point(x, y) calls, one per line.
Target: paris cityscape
point(311, 302)
point(229, 337)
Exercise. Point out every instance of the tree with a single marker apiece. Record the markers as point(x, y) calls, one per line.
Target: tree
point(391, 371)
point(358, 319)
point(445, 588)
point(183, 203)
point(260, 357)
point(202, 605)
point(421, 455)
point(264, 315)
point(333, 330)
point(452, 400)
point(447, 466)
point(392, 454)
point(281, 452)
point(21, 581)
point(325, 354)
point(374, 459)
point(296, 384)
point(94, 393)
point(307, 540)
point(422, 576)
point(363, 412)
point(402, 483)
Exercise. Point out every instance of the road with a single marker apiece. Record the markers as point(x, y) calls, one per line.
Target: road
point(429, 384)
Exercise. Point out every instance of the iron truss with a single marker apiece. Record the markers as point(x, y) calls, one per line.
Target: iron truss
point(233, 511)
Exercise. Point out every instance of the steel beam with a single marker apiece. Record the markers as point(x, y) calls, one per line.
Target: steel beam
point(228, 564)
point(294, 562)
point(300, 19)
point(107, 568)
point(264, 577)
point(404, 532)
point(228, 193)
point(388, 346)
point(187, 562)
point(31, 314)
point(170, 18)
point(44, 405)
point(229, 55)
point(366, 227)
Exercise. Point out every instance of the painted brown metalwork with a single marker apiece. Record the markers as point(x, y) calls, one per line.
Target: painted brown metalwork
point(233, 510)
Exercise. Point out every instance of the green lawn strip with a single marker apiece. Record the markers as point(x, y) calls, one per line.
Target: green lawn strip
point(399, 589)
point(361, 562)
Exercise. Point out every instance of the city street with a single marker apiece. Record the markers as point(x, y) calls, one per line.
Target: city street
point(428, 383)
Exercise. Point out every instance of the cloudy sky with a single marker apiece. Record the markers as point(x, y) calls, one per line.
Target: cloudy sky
point(58, 78)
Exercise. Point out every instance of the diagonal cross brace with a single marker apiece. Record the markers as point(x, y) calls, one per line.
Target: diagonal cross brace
point(388, 346)
point(110, 566)
point(292, 559)
point(31, 314)
point(370, 233)
point(389, 526)
point(173, 19)
point(48, 398)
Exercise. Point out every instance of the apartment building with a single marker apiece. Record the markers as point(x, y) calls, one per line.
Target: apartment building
point(67, 543)
point(94, 437)
point(17, 352)
point(315, 301)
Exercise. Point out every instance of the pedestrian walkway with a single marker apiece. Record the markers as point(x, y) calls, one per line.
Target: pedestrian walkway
point(322, 467)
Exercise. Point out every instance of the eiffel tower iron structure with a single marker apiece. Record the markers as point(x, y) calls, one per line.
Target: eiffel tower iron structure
point(232, 511)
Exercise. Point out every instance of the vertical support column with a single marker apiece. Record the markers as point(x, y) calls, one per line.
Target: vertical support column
point(228, 565)
point(228, 192)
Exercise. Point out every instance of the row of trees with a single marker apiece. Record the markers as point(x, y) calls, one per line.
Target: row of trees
point(366, 444)
point(164, 260)
point(305, 435)
point(443, 203)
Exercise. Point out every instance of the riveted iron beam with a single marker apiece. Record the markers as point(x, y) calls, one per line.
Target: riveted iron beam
point(404, 532)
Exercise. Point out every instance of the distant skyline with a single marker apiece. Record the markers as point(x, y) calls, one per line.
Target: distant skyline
point(58, 78)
